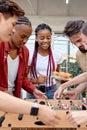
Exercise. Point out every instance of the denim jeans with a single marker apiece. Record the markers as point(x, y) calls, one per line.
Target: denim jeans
point(49, 92)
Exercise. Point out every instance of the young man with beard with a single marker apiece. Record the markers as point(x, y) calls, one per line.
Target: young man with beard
point(72, 31)
point(77, 117)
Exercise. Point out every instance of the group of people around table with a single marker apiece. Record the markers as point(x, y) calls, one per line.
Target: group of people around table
point(16, 62)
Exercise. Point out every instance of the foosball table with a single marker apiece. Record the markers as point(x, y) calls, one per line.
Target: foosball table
point(10, 121)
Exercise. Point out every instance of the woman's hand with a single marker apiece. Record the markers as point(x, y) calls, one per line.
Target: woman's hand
point(42, 79)
point(39, 80)
point(38, 94)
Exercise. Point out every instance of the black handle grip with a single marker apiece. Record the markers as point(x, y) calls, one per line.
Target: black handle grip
point(2, 118)
point(20, 116)
point(67, 112)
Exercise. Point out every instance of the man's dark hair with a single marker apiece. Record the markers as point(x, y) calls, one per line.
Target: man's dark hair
point(73, 27)
point(84, 29)
point(10, 8)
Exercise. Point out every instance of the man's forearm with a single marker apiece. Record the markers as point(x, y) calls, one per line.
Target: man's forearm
point(76, 80)
point(80, 88)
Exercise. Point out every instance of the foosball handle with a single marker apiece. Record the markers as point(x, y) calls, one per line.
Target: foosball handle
point(2, 118)
point(78, 126)
point(20, 116)
point(67, 112)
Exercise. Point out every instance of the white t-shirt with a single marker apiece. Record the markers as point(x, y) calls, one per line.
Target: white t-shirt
point(12, 72)
point(42, 63)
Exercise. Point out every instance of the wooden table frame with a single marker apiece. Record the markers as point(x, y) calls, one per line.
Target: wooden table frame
point(27, 123)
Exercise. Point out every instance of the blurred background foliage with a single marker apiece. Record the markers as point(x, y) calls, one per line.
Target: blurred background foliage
point(71, 67)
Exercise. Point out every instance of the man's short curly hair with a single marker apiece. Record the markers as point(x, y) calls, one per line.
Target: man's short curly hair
point(73, 27)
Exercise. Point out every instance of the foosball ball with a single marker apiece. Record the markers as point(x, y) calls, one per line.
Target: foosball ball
point(10, 121)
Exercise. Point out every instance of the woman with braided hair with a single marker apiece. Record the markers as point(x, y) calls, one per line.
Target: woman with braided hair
point(43, 61)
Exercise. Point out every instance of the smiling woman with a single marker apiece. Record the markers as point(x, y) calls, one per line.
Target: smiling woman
point(41, 70)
